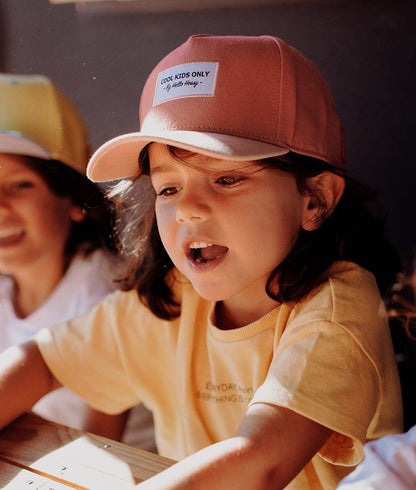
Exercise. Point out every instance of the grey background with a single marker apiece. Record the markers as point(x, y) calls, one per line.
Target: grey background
point(100, 56)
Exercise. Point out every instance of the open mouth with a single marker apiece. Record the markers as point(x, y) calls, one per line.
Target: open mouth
point(204, 253)
point(10, 237)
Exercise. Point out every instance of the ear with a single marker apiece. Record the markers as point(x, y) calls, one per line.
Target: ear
point(326, 191)
point(77, 214)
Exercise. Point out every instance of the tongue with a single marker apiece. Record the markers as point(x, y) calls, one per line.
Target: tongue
point(212, 252)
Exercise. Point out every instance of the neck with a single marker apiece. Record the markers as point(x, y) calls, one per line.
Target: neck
point(232, 315)
point(34, 285)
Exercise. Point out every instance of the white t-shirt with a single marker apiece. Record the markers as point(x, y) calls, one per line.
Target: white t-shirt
point(85, 283)
point(87, 280)
point(389, 463)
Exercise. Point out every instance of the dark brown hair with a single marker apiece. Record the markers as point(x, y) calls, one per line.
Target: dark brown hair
point(352, 232)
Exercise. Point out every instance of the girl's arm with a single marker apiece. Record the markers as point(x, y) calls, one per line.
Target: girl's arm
point(110, 426)
point(24, 379)
point(270, 447)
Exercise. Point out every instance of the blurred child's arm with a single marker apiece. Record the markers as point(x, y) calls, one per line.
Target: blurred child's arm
point(271, 446)
point(24, 379)
point(110, 426)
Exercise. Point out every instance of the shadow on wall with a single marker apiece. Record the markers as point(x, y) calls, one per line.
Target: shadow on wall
point(365, 50)
point(2, 41)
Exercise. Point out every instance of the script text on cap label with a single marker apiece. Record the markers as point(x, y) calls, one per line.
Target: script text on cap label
point(186, 80)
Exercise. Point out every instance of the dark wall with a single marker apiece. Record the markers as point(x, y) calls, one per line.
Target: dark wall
point(366, 51)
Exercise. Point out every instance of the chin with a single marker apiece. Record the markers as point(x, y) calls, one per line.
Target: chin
point(210, 293)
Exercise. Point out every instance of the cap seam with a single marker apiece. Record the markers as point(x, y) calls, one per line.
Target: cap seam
point(211, 129)
point(58, 134)
point(278, 107)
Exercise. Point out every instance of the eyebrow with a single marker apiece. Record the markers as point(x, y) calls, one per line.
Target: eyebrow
point(159, 169)
point(23, 173)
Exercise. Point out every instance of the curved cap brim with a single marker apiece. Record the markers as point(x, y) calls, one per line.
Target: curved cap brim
point(118, 157)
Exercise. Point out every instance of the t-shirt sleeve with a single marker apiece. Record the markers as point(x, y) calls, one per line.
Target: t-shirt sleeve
point(321, 372)
point(85, 354)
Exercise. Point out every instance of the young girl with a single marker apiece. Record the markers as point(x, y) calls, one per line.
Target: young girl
point(251, 325)
point(56, 240)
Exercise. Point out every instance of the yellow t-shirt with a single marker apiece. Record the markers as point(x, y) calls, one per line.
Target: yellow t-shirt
point(328, 357)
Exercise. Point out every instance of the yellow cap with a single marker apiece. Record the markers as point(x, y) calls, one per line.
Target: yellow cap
point(38, 120)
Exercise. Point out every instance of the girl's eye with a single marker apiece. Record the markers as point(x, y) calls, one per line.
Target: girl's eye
point(24, 184)
point(168, 191)
point(230, 180)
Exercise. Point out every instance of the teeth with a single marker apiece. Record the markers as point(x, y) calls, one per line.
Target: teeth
point(10, 232)
point(194, 245)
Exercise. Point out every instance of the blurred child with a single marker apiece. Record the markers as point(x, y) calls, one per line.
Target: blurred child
point(56, 240)
point(251, 325)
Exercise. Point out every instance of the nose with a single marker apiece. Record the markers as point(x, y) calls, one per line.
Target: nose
point(192, 206)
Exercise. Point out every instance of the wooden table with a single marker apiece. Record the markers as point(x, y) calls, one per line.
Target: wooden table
point(39, 455)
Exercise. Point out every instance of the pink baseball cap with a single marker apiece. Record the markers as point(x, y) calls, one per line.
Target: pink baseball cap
point(233, 98)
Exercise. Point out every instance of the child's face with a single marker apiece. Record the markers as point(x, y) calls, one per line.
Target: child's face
point(34, 222)
point(228, 228)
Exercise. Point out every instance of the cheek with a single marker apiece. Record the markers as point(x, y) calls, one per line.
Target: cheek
point(57, 216)
point(56, 226)
point(278, 224)
point(165, 225)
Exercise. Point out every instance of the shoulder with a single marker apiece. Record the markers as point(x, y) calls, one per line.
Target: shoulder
point(95, 273)
point(349, 293)
point(97, 261)
point(87, 281)
point(346, 305)
point(350, 282)
point(348, 309)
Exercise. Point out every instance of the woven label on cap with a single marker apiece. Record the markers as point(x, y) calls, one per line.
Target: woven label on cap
point(187, 80)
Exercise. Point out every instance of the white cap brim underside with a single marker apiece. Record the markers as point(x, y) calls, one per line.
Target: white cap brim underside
point(118, 158)
point(16, 143)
